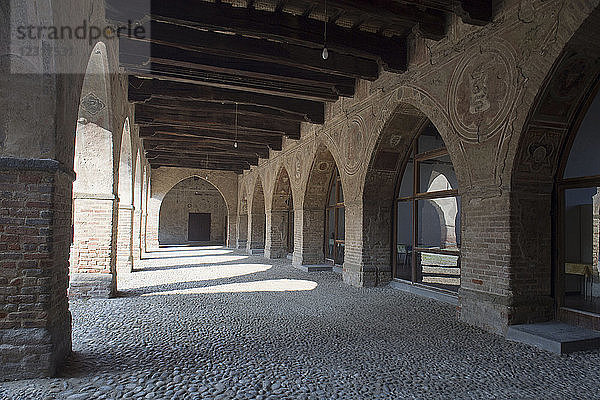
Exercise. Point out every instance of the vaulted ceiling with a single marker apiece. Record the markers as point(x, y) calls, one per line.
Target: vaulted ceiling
point(217, 84)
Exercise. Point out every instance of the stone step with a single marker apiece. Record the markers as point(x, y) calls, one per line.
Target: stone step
point(556, 337)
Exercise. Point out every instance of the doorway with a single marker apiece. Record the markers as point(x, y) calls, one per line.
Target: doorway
point(199, 227)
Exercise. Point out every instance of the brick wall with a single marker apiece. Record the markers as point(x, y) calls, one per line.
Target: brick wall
point(35, 233)
point(125, 238)
point(93, 253)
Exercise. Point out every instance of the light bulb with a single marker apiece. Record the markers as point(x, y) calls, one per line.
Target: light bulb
point(325, 54)
point(235, 145)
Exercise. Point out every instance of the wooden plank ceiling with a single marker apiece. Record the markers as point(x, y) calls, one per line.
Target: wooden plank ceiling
point(217, 84)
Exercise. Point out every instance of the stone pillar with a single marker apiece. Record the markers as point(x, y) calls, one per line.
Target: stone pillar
point(125, 238)
point(93, 266)
point(277, 232)
point(310, 228)
point(35, 234)
point(256, 233)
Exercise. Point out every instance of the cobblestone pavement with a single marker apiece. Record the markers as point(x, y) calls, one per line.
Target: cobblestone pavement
point(212, 324)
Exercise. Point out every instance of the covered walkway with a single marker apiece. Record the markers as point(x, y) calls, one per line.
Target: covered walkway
point(216, 324)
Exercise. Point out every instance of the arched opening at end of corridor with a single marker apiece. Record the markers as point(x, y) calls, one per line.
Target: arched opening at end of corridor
point(193, 212)
point(92, 260)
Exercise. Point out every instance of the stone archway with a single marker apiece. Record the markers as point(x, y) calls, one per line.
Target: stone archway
point(166, 178)
point(311, 241)
point(280, 218)
point(188, 199)
point(257, 220)
point(93, 253)
point(125, 204)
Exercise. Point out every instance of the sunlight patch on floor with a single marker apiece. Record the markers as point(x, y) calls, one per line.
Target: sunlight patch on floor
point(274, 285)
point(191, 274)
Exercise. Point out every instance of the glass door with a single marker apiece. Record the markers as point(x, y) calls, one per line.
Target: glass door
point(427, 229)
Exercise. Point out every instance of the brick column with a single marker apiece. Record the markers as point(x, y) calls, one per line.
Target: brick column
point(35, 234)
point(242, 236)
point(94, 246)
point(506, 259)
point(310, 228)
point(277, 231)
point(355, 272)
point(232, 220)
point(136, 248)
point(125, 238)
point(144, 233)
point(256, 229)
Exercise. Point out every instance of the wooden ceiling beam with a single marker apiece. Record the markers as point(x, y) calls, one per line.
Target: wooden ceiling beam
point(145, 114)
point(140, 55)
point(252, 49)
point(202, 156)
point(142, 90)
point(433, 23)
point(213, 52)
point(231, 81)
point(210, 165)
point(204, 145)
point(274, 142)
point(224, 108)
point(282, 27)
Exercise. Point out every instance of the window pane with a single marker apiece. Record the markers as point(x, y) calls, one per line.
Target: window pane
point(332, 199)
point(404, 241)
point(341, 223)
point(330, 233)
point(439, 220)
point(580, 248)
point(438, 270)
point(341, 196)
point(406, 186)
point(430, 139)
point(583, 158)
point(437, 174)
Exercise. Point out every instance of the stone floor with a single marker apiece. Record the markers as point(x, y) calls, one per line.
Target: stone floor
point(212, 324)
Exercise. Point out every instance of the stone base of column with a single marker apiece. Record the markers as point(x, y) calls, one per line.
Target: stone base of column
point(495, 313)
point(82, 285)
point(362, 276)
point(275, 253)
point(29, 353)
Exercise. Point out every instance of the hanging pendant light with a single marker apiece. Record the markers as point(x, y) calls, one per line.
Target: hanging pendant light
point(325, 53)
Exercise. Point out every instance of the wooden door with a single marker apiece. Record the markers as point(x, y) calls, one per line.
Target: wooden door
point(199, 227)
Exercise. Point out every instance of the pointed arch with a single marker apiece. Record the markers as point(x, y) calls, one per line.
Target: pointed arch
point(311, 242)
point(280, 218)
point(193, 211)
point(125, 196)
point(93, 252)
point(257, 219)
